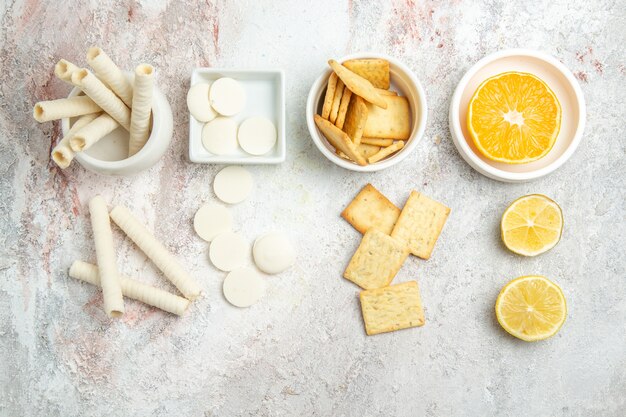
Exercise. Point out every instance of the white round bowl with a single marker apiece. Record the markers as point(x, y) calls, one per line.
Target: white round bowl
point(403, 81)
point(562, 83)
point(108, 156)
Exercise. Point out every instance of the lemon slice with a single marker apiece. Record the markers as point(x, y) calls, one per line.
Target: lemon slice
point(531, 308)
point(532, 225)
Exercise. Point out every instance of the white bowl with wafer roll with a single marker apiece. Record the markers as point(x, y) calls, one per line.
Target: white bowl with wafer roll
point(109, 155)
point(346, 118)
point(113, 122)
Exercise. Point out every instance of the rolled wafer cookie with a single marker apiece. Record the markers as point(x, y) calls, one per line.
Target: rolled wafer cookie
point(44, 111)
point(87, 136)
point(104, 97)
point(111, 74)
point(64, 69)
point(155, 250)
point(62, 154)
point(105, 253)
point(134, 289)
point(141, 109)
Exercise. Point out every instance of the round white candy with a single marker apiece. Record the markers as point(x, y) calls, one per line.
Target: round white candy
point(243, 287)
point(257, 135)
point(227, 96)
point(273, 253)
point(228, 251)
point(232, 184)
point(198, 103)
point(219, 136)
point(211, 220)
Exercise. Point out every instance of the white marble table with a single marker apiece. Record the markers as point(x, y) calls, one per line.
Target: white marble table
point(303, 350)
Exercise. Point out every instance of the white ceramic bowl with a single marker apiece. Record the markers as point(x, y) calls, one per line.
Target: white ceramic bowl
point(403, 81)
point(558, 78)
point(109, 155)
point(265, 96)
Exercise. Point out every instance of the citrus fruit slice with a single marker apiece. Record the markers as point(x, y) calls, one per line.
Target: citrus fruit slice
point(531, 308)
point(532, 225)
point(514, 118)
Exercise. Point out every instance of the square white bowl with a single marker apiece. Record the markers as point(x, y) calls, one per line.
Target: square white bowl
point(265, 96)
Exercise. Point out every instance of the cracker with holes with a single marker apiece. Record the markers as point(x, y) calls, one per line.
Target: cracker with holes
point(371, 209)
point(374, 70)
point(392, 308)
point(394, 122)
point(420, 224)
point(376, 261)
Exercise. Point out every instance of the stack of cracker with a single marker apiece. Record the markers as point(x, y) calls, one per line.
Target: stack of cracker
point(389, 235)
point(361, 118)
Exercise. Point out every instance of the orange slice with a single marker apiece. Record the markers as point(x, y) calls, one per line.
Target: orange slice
point(514, 118)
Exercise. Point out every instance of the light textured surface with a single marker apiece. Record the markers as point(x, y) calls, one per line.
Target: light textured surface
point(302, 349)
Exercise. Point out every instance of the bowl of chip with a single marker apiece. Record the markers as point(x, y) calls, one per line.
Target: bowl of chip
point(353, 132)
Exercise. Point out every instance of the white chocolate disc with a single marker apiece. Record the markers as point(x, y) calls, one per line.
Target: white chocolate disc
point(243, 287)
point(219, 136)
point(273, 253)
point(257, 135)
point(227, 96)
point(198, 103)
point(228, 251)
point(232, 184)
point(211, 220)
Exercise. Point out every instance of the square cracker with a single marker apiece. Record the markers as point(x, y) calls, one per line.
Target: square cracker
point(357, 84)
point(386, 92)
point(339, 140)
point(330, 95)
point(365, 150)
point(343, 108)
point(356, 119)
point(420, 224)
point(334, 109)
point(376, 261)
point(371, 209)
point(394, 122)
point(374, 70)
point(385, 152)
point(392, 308)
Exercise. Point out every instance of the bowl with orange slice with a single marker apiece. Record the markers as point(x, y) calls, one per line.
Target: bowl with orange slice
point(517, 115)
